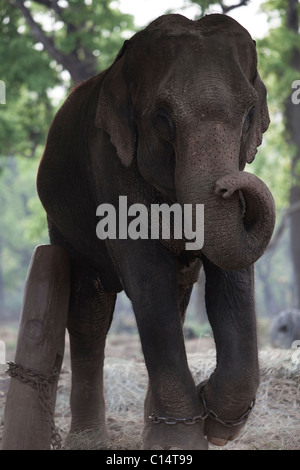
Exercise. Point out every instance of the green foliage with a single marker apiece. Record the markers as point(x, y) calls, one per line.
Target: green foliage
point(89, 29)
point(275, 286)
point(275, 51)
point(273, 164)
point(273, 161)
point(22, 225)
point(21, 63)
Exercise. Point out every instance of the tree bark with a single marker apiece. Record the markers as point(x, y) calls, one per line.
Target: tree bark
point(292, 123)
point(79, 69)
point(227, 8)
point(2, 313)
point(30, 403)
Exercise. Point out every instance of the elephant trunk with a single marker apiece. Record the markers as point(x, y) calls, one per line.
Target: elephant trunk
point(239, 213)
point(241, 236)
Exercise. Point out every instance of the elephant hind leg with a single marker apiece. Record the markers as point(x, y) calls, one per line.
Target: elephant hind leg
point(90, 315)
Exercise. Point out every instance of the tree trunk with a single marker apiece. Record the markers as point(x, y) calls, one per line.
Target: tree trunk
point(2, 313)
point(30, 403)
point(292, 123)
point(79, 69)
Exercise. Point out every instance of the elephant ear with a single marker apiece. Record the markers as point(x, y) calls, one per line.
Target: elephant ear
point(260, 123)
point(114, 112)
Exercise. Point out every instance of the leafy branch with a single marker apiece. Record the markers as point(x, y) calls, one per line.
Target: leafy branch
point(79, 69)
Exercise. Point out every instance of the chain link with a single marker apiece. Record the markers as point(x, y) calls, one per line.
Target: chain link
point(207, 413)
point(41, 383)
point(171, 421)
point(226, 422)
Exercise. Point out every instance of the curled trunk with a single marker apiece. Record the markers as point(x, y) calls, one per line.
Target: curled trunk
point(249, 222)
point(239, 218)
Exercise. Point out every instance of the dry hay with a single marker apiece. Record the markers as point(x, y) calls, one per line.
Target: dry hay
point(273, 425)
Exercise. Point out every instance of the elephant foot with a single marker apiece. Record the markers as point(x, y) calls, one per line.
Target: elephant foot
point(217, 428)
point(174, 437)
point(219, 441)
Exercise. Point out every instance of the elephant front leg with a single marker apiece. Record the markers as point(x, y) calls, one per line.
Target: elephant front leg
point(191, 431)
point(229, 394)
point(90, 316)
point(150, 280)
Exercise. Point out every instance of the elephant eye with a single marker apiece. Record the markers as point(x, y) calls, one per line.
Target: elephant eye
point(248, 120)
point(164, 124)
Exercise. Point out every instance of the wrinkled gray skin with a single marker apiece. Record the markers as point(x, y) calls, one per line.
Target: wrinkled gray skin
point(285, 329)
point(175, 118)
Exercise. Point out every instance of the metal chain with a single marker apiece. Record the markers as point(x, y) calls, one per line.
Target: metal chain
point(172, 421)
point(226, 422)
point(208, 413)
point(41, 383)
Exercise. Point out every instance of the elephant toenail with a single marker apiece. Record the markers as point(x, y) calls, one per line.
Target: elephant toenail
point(217, 441)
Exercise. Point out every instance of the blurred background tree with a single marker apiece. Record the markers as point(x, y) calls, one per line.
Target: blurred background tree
point(279, 55)
point(49, 45)
point(46, 47)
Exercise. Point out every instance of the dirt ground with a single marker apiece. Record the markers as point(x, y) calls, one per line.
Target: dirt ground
point(273, 425)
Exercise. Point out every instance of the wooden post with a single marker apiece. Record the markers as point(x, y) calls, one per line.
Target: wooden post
point(30, 403)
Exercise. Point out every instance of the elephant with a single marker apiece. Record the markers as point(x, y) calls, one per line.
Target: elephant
point(174, 119)
point(285, 328)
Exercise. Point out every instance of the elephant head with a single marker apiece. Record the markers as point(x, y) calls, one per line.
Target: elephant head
point(185, 100)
